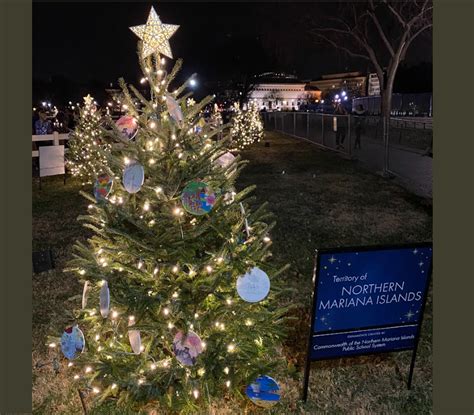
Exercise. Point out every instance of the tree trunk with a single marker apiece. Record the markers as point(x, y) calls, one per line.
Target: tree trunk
point(386, 108)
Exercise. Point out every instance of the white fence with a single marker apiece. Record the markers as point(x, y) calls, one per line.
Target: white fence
point(55, 138)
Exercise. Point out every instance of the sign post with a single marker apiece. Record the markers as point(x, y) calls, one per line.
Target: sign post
point(368, 300)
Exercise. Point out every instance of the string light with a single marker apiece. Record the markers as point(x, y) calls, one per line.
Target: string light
point(195, 393)
point(76, 377)
point(52, 345)
point(175, 295)
point(175, 269)
point(88, 369)
point(209, 269)
point(166, 311)
point(231, 348)
point(70, 364)
point(226, 370)
point(114, 314)
point(114, 386)
point(95, 390)
point(228, 383)
point(170, 325)
point(266, 239)
point(155, 271)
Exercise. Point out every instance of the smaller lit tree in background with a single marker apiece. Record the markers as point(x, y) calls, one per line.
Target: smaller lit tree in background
point(86, 156)
point(246, 127)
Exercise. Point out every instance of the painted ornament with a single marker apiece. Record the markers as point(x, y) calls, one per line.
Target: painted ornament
point(198, 198)
point(104, 299)
point(72, 342)
point(174, 109)
point(264, 392)
point(199, 125)
point(133, 177)
point(187, 348)
point(254, 286)
point(102, 187)
point(128, 126)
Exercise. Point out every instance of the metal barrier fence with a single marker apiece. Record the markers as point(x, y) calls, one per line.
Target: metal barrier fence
point(360, 137)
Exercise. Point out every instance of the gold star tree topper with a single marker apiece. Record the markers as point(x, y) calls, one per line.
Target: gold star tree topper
point(155, 35)
point(88, 100)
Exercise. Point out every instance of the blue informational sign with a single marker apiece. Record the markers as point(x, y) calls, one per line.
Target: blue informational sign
point(368, 300)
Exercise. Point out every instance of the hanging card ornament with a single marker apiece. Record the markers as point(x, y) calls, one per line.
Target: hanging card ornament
point(264, 392)
point(225, 160)
point(102, 187)
point(128, 126)
point(174, 109)
point(133, 177)
point(104, 299)
point(84, 294)
point(254, 286)
point(134, 338)
point(72, 342)
point(198, 198)
point(187, 348)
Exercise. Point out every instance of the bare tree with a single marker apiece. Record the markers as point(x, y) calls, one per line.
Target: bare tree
point(380, 32)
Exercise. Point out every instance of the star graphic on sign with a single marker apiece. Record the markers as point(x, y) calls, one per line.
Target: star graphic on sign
point(409, 315)
point(155, 35)
point(421, 263)
point(332, 260)
point(88, 99)
point(415, 251)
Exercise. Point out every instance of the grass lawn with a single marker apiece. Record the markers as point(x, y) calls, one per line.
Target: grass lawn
point(319, 200)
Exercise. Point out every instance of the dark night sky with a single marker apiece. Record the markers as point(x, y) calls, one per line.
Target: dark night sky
point(92, 41)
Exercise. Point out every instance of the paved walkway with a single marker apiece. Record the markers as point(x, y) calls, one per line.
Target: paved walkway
point(413, 170)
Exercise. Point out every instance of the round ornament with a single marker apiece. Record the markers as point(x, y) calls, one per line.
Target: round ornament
point(128, 126)
point(134, 338)
point(225, 160)
point(264, 392)
point(72, 342)
point(84, 294)
point(254, 286)
point(102, 186)
point(133, 177)
point(104, 299)
point(198, 198)
point(187, 348)
point(174, 109)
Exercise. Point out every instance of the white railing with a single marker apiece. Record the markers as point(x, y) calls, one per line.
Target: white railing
point(55, 138)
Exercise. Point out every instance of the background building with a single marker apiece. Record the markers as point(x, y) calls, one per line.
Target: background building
point(354, 83)
point(277, 91)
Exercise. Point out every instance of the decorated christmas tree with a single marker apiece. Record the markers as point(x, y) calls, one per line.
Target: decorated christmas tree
point(86, 155)
point(179, 303)
point(246, 126)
